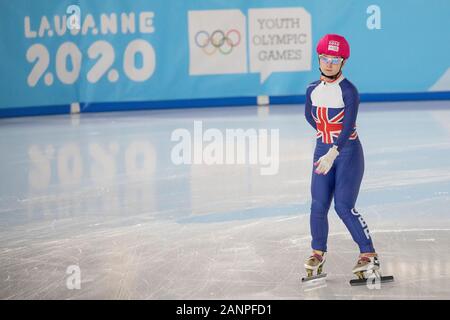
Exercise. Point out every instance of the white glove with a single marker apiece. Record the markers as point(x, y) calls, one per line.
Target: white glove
point(325, 162)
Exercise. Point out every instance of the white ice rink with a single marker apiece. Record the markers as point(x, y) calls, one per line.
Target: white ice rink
point(101, 193)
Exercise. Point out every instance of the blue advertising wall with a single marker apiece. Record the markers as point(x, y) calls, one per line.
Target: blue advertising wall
point(121, 55)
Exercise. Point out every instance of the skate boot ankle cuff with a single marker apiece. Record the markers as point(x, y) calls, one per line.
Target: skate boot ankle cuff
point(317, 256)
point(363, 258)
point(369, 255)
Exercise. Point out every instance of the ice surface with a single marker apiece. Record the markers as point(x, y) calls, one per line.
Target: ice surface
point(100, 191)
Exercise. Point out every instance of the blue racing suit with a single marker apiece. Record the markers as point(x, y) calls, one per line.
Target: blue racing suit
point(331, 109)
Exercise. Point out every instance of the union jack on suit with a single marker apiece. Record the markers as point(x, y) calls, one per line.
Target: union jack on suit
point(331, 108)
point(329, 129)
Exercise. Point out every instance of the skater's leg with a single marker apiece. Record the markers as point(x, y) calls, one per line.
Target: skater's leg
point(321, 192)
point(349, 168)
point(322, 187)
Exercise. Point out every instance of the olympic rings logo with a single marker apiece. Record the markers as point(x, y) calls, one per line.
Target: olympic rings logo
point(218, 41)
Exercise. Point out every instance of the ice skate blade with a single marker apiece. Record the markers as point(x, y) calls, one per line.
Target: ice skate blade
point(362, 282)
point(319, 276)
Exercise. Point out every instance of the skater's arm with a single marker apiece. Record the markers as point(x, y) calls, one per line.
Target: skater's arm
point(308, 107)
point(351, 102)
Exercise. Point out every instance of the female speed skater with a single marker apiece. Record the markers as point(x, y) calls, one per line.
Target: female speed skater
point(331, 109)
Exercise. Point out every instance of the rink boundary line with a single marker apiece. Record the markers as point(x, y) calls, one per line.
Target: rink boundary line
point(112, 106)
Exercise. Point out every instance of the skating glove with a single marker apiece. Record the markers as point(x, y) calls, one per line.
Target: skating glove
point(325, 162)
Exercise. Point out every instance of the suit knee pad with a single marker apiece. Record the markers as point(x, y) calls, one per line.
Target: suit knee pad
point(319, 209)
point(344, 211)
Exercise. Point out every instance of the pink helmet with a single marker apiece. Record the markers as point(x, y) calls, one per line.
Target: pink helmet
point(334, 45)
